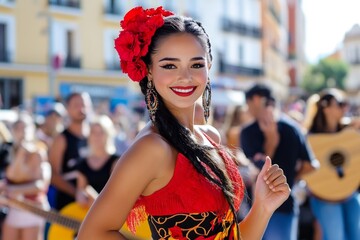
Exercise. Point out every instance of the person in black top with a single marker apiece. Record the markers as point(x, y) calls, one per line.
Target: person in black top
point(277, 136)
point(95, 169)
point(68, 148)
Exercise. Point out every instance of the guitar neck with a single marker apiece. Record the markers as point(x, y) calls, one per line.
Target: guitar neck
point(51, 216)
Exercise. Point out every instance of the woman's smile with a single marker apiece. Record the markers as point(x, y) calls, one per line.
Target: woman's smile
point(183, 91)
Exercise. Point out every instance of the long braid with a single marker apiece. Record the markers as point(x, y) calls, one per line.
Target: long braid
point(201, 157)
point(229, 197)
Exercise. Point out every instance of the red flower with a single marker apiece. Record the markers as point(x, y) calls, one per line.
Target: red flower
point(158, 10)
point(134, 15)
point(128, 45)
point(124, 67)
point(139, 26)
point(176, 233)
point(136, 70)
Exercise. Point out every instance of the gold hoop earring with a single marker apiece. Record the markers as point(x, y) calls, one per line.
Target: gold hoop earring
point(151, 100)
point(206, 100)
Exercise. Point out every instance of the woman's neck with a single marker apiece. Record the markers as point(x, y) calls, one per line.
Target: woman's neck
point(332, 125)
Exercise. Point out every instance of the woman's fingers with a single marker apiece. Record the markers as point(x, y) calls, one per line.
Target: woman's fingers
point(274, 185)
point(272, 173)
point(275, 177)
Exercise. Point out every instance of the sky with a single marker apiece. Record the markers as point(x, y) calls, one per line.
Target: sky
point(326, 22)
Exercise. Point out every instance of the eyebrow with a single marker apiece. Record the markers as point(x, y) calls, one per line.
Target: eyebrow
point(178, 60)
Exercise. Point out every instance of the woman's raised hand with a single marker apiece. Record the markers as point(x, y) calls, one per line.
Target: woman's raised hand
point(271, 188)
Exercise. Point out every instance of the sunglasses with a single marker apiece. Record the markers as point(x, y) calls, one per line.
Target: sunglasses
point(342, 104)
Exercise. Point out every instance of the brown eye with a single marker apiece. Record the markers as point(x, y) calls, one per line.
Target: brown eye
point(198, 65)
point(169, 66)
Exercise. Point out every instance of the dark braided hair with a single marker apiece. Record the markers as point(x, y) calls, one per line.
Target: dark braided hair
point(170, 128)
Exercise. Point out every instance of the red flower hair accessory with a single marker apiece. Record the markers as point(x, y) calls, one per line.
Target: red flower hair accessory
point(139, 26)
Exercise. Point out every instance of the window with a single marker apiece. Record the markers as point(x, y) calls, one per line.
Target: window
point(65, 3)
point(71, 58)
point(66, 44)
point(3, 48)
point(113, 7)
point(11, 93)
point(241, 54)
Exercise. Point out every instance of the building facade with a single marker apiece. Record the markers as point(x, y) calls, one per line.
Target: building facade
point(275, 45)
point(351, 55)
point(49, 48)
point(296, 55)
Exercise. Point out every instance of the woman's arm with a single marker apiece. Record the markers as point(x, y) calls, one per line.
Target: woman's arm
point(19, 170)
point(81, 196)
point(41, 175)
point(136, 173)
point(26, 188)
point(271, 191)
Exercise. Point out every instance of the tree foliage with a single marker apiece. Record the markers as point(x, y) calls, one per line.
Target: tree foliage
point(326, 73)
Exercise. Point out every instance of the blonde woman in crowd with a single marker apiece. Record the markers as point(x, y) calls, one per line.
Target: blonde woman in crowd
point(95, 169)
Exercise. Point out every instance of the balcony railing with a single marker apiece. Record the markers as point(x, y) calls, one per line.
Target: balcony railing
point(65, 3)
point(241, 28)
point(71, 62)
point(240, 70)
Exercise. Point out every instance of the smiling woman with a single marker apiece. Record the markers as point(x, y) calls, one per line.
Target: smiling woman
point(183, 182)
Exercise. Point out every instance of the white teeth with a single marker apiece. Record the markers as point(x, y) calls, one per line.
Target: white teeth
point(183, 90)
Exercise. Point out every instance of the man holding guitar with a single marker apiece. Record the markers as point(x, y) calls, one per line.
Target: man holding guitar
point(336, 205)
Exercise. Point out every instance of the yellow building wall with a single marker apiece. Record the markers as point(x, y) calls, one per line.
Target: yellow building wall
point(35, 85)
point(31, 35)
point(92, 35)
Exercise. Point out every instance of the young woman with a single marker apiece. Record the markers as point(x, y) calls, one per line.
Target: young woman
point(27, 179)
point(175, 176)
point(95, 169)
point(338, 220)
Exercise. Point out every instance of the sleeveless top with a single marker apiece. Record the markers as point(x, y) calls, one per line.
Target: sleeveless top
point(74, 152)
point(97, 178)
point(190, 206)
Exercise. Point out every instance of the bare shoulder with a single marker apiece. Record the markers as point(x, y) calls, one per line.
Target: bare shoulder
point(149, 151)
point(211, 131)
point(150, 143)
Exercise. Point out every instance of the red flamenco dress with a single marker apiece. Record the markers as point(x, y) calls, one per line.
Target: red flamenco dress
point(190, 206)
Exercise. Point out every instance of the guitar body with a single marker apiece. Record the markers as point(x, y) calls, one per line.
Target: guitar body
point(339, 173)
point(59, 232)
point(76, 211)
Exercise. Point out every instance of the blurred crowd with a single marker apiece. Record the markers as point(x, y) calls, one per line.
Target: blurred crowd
point(67, 156)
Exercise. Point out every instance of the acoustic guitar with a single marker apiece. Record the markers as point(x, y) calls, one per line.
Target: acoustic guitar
point(66, 223)
point(339, 157)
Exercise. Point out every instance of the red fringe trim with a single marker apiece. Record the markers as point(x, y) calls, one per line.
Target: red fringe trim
point(136, 216)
